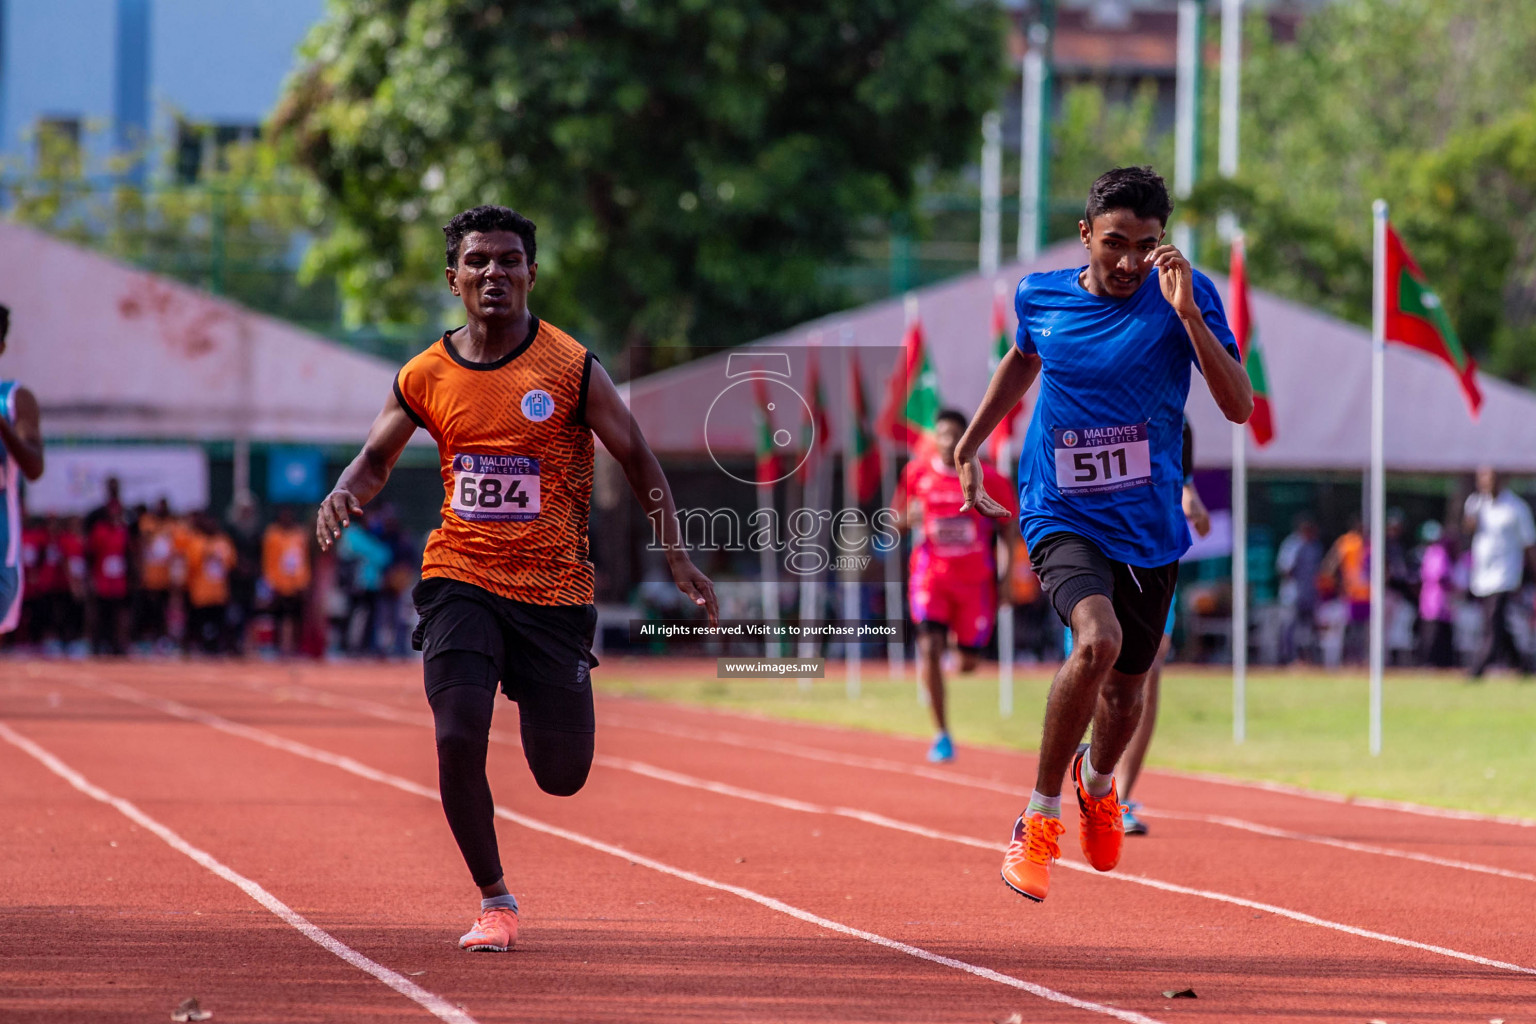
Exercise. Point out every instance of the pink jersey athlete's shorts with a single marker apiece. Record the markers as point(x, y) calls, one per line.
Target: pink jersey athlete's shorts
point(968, 608)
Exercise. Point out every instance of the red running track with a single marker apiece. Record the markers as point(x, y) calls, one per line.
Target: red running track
point(716, 868)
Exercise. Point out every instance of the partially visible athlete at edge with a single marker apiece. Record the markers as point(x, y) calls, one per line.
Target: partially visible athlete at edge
point(1099, 486)
point(506, 595)
point(21, 455)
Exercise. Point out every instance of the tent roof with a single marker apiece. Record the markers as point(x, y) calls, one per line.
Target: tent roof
point(115, 352)
point(1319, 371)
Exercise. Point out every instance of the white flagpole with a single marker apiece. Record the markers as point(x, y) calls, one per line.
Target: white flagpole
point(1378, 534)
point(1032, 144)
point(1005, 641)
point(1186, 127)
point(991, 192)
point(1231, 80)
point(851, 648)
point(1231, 71)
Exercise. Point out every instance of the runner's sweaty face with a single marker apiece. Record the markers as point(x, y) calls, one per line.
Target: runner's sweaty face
point(1118, 243)
point(493, 277)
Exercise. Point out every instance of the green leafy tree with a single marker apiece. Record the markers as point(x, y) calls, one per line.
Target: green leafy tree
point(692, 165)
point(1424, 103)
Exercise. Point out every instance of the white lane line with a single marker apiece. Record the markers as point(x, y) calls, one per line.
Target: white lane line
point(384, 711)
point(348, 764)
point(662, 774)
point(1343, 844)
point(434, 1004)
point(983, 844)
point(959, 779)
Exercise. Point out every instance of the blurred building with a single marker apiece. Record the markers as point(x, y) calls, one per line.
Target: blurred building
point(136, 76)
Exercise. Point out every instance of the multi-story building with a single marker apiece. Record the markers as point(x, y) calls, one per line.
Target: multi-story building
point(142, 76)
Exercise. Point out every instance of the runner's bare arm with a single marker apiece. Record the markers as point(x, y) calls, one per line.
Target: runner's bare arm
point(24, 438)
point(364, 477)
point(1224, 375)
point(1195, 511)
point(1012, 378)
point(611, 421)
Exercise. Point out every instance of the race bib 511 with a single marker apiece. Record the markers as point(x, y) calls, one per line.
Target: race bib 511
point(1091, 460)
point(495, 488)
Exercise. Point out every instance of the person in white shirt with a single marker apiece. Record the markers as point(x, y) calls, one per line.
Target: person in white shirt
point(1503, 540)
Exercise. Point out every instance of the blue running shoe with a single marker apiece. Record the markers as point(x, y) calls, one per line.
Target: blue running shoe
point(943, 749)
point(1134, 826)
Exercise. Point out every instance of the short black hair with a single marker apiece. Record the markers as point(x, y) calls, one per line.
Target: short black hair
point(5, 321)
point(488, 218)
point(954, 415)
point(1138, 189)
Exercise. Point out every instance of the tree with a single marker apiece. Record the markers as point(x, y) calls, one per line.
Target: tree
point(1421, 102)
point(692, 165)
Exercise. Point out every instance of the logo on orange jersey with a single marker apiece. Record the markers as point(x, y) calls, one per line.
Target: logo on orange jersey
point(538, 405)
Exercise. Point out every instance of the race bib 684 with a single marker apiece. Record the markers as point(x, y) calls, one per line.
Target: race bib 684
point(495, 488)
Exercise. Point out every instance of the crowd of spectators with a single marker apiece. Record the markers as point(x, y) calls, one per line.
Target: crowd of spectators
point(150, 580)
point(1456, 579)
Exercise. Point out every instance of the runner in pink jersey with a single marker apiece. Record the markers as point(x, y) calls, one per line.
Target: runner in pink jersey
point(955, 564)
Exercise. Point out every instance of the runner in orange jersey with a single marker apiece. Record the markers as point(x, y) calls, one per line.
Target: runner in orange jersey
point(507, 590)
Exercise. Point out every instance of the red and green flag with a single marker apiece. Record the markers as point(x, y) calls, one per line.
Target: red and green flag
point(1001, 343)
point(821, 427)
point(1416, 318)
point(912, 394)
point(769, 466)
point(865, 453)
point(1240, 319)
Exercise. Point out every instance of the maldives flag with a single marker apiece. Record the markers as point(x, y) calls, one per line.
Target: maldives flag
point(821, 427)
point(1001, 343)
point(865, 452)
point(912, 395)
point(1240, 319)
point(1416, 318)
point(769, 468)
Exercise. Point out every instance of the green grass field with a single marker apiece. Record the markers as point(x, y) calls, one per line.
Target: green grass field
point(1445, 742)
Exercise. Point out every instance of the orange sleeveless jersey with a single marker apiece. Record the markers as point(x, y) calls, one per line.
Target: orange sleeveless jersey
point(516, 459)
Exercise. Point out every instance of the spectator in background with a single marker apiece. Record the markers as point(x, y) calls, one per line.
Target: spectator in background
point(36, 609)
point(77, 575)
point(1503, 539)
point(114, 491)
point(1298, 562)
point(1349, 559)
point(157, 554)
point(245, 533)
point(107, 545)
point(210, 559)
point(285, 570)
point(1437, 567)
point(370, 557)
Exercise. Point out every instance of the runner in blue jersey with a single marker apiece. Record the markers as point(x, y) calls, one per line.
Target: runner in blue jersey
point(1113, 344)
point(21, 455)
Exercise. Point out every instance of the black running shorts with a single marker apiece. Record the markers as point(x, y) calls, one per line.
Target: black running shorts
point(542, 653)
point(1071, 568)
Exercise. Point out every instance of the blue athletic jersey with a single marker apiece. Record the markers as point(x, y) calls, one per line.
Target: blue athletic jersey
point(1102, 458)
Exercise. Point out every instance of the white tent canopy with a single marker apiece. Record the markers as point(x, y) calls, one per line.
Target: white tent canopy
point(114, 352)
point(1318, 370)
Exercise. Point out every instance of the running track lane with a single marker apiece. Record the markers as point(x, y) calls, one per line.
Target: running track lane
point(1452, 1003)
point(660, 948)
point(1448, 997)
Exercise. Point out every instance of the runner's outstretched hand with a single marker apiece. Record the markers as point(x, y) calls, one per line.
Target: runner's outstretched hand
point(335, 515)
point(1176, 279)
point(697, 586)
point(976, 496)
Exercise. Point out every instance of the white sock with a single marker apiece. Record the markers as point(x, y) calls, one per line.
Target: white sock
point(507, 902)
point(1096, 784)
point(1039, 803)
